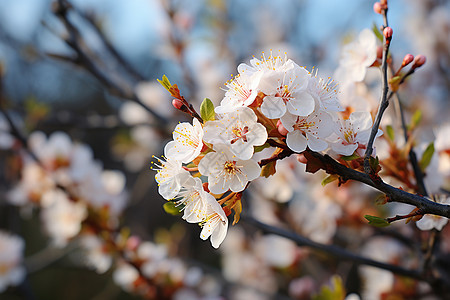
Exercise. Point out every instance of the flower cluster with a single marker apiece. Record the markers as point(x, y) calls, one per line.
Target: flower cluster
point(69, 186)
point(272, 100)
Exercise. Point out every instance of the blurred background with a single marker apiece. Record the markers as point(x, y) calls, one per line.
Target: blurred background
point(198, 45)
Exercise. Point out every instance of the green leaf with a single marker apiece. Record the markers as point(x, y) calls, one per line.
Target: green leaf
point(376, 221)
point(165, 82)
point(426, 157)
point(350, 157)
point(390, 132)
point(377, 32)
point(207, 110)
point(269, 169)
point(415, 120)
point(334, 292)
point(262, 147)
point(374, 164)
point(170, 208)
point(330, 179)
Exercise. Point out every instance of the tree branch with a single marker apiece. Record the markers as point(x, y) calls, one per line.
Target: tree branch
point(74, 41)
point(337, 252)
point(331, 166)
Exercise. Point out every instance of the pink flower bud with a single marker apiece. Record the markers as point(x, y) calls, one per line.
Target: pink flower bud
point(407, 60)
point(177, 103)
point(388, 32)
point(383, 2)
point(281, 129)
point(419, 61)
point(377, 7)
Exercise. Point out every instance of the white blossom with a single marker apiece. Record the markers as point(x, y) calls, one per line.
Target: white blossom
point(11, 255)
point(239, 130)
point(242, 91)
point(187, 143)
point(286, 91)
point(358, 55)
point(309, 131)
point(215, 225)
point(353, 133)
point(225, 171)
point(324, 92)
point(170, 177)
point(194, 199)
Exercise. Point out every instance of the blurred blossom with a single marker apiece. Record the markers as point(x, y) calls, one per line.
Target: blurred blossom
point(94, 251)
point(61, 217)
point(11, 255)
point(154, 96)
point(281, 186)
point(125, 275)
point(315, 214)
point(276, 251)
point(358, 55)
point(378, 282)
point(302, 288)
point(442, 147)
point(245, 262)
point(69, 182)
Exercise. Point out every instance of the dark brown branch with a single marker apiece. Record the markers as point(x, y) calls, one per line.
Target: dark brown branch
point(335, 251)
point(331, 166)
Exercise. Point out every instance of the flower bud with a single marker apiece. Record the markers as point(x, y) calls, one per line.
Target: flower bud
point(281, 129)
point(388, 32)
point(419, 61)
point(407, 60)
point(377, 8)
point(177, 103)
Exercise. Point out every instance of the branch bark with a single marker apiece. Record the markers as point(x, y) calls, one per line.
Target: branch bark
point(335, 251)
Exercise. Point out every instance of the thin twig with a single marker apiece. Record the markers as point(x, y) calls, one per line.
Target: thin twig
point(75, 41)
point(91, 20)
point(335, 251)
point(384, 102)
point(418, 174)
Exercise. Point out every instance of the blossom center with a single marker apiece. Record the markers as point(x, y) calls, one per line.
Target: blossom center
point(240, 133)
point(303, 125)
point(349, 136)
